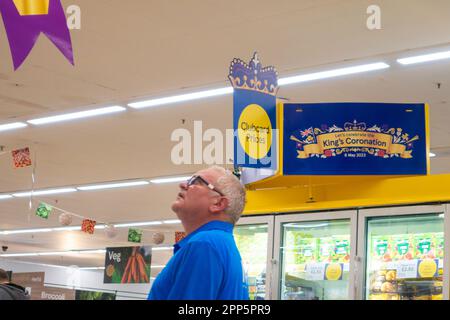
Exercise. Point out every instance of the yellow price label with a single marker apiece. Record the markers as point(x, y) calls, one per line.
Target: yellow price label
point(427, 268)
point(333, 272)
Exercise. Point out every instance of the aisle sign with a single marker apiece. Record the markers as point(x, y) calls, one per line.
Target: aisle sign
point(128, 265)
point(355, 139)
point(254, 113)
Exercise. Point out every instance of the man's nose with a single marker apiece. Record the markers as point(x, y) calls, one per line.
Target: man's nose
point(183, 186)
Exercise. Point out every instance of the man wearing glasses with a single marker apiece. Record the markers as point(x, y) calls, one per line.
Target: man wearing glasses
point(206, 264)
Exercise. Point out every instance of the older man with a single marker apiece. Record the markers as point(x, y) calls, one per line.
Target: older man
point(206, 264)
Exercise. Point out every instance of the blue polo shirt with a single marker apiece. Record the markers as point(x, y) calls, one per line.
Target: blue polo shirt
point(206, 265)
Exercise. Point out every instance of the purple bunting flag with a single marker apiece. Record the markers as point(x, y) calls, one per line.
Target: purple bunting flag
point(25, 20)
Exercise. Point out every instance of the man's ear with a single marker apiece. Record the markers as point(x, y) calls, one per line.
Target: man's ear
point(219, 206)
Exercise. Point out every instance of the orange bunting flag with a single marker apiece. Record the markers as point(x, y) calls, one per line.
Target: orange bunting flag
point(21, 158)
point(88, 226)
point(179, 236)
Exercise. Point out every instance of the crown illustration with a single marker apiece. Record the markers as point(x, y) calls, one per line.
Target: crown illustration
point(355, 126)
point(253, 76)
point(32, 7)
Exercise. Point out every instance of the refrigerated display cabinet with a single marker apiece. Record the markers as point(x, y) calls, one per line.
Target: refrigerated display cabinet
point(315, 252)
point(403, 252)
point(253, 236)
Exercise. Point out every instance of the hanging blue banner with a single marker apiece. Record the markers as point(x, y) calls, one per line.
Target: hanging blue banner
point(254, 114)
point(355, 139)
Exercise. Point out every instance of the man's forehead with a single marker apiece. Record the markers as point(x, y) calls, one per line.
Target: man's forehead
point(208, 174)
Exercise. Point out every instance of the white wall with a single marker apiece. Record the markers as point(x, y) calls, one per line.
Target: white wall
point(74, 278)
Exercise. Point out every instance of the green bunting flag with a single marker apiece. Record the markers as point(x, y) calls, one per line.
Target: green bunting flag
point(43, 210)
point(134, 235)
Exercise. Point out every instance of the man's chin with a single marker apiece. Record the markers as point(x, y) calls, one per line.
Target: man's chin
point(176, 205)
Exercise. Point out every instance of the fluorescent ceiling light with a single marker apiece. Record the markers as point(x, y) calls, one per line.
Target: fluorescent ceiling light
point(161, 248)
point(425, 58)
point(171, 221)
point(12, 126)
point(39, 230)
point(113, 185)
point(11, 255)
point(54, 253)
point(181, 98)
point(170, 179)
point(137, 224)
point(20, 231)
point(77, 228)
point(74, 228)
point(94, 251)
point(44, 192)
point(432, 155)
point(5, 196)
point(333, 73)
point(93, 268)
point(77, 115)
point(157, 266)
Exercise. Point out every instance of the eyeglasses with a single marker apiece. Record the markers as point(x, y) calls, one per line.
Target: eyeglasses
point(195, 178)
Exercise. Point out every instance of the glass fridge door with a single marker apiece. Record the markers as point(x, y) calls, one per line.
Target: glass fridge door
point(315, 259)
point(252, 241)
point(404, 259)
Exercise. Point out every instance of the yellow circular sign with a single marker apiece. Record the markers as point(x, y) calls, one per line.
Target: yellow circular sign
point(255, 131)
point(427, 268)
point(333, 272)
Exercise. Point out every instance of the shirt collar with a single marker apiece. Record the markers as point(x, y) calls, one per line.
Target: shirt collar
point(212, 225)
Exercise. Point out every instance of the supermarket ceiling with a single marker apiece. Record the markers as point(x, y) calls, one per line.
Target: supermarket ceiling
point(149, 49)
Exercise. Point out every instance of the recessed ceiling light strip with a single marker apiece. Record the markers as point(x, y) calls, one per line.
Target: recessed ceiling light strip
point(137, 224)
point(181, 98)
point(333, 73)
point(281, 82)
point(70, 252)
point(174, 221)
point(43, 192)
point(52, 253)
point(12, 126)
point(228, 90)
point(113, 185)
point(169, 179)
point(425, 58)
point(98, 186)
point(77, 115)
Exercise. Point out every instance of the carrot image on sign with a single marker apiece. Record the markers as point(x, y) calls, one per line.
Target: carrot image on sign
point(135, 269)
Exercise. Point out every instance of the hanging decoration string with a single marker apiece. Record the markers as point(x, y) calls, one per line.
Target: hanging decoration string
point(33, 181)
point(40, 200)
